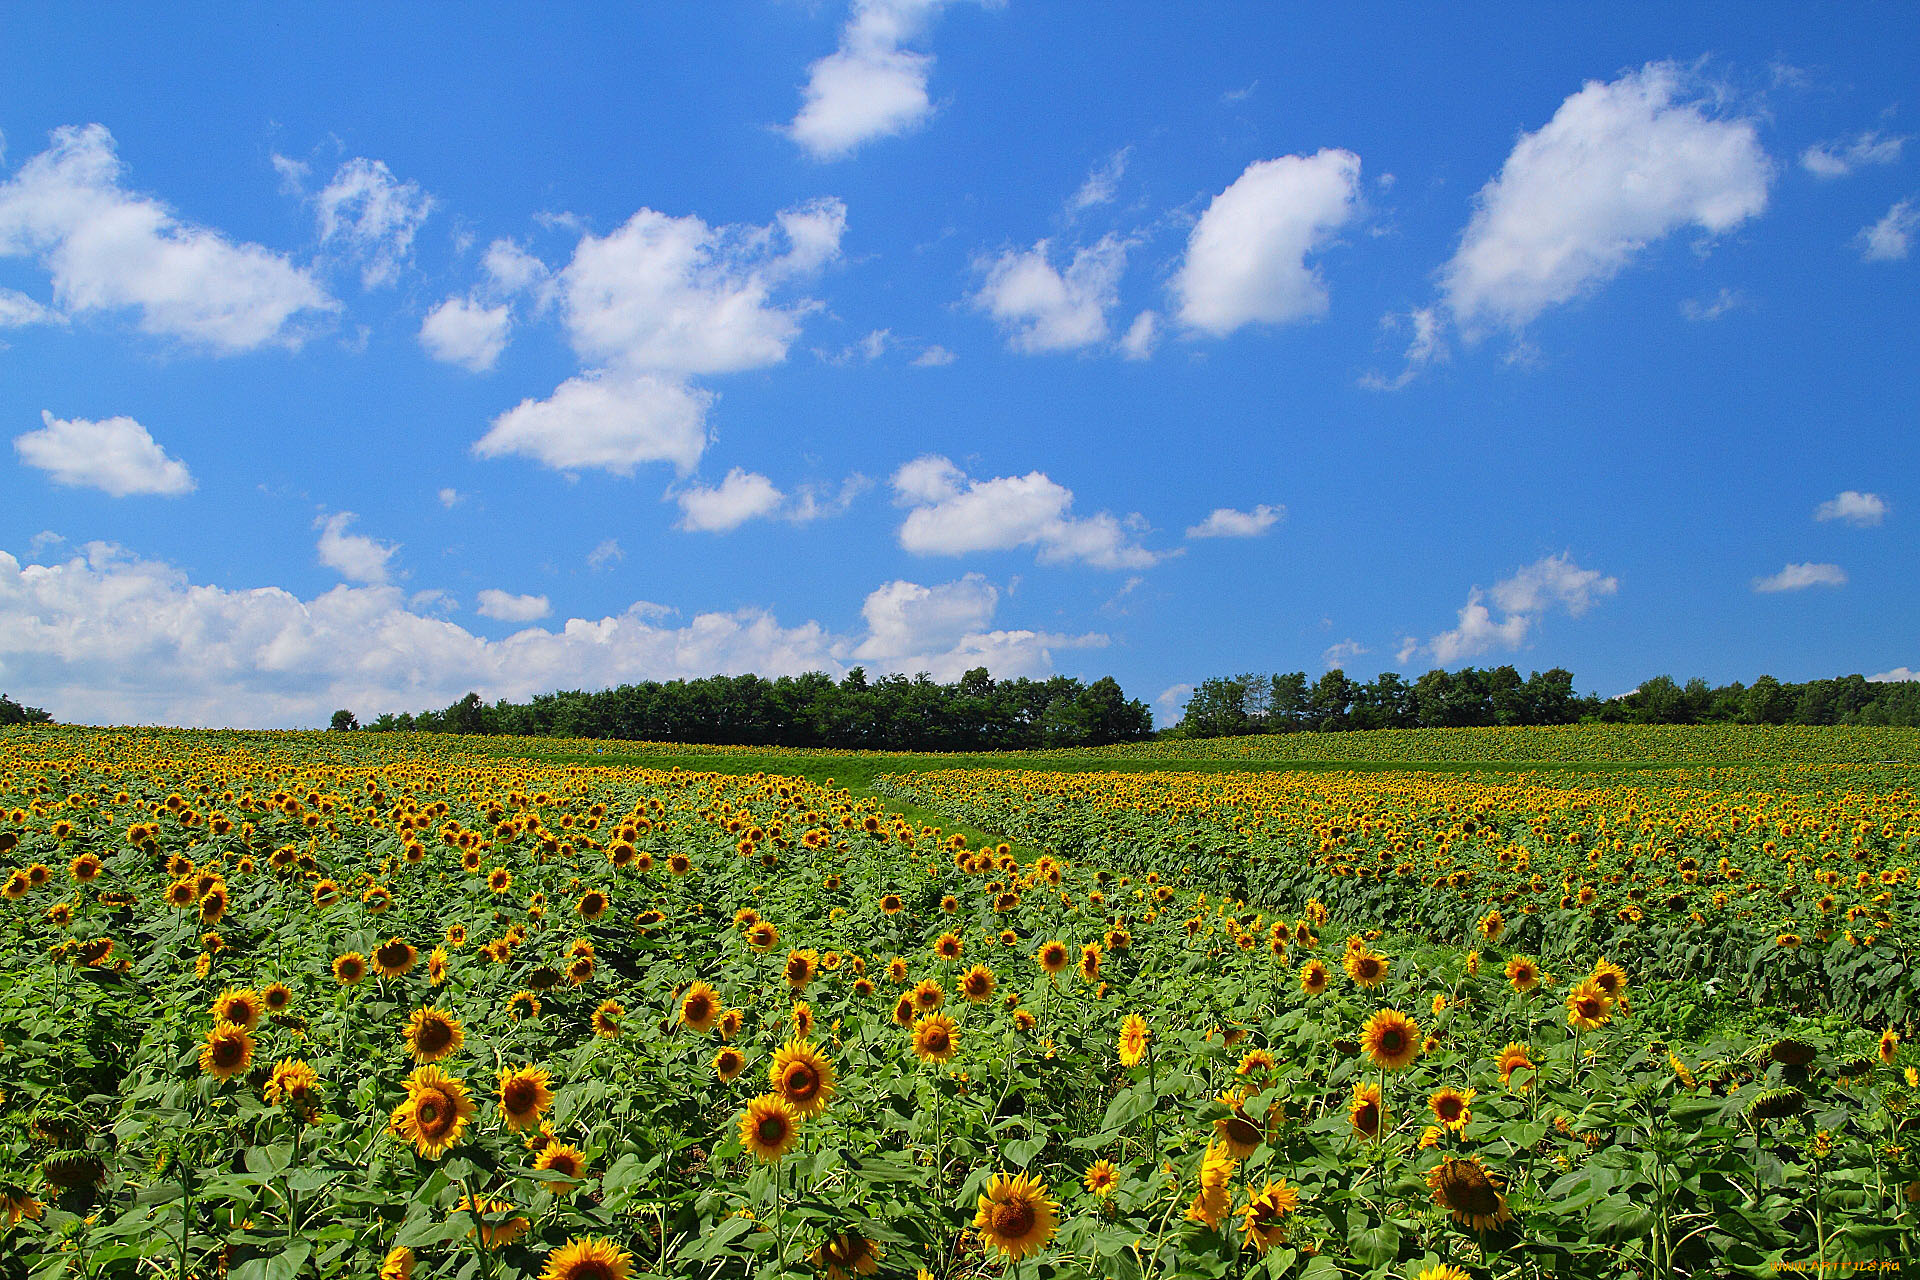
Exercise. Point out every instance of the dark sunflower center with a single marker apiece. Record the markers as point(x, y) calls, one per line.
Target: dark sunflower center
point(518, 1096)
point(1392, 1040)
point(699, 1008)
point(1013, 1220)
point(937, 1040)
point(227, 1053)
point(1242, 1132)
point(799, 1081)
point(772, 1130)
point(434, 1036)
point(590, 1269)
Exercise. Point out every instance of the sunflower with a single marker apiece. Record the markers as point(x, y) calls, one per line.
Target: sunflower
point(606, 1018)
point(1364, 1112)
point(522, 1005)
point(437, 966)
point(803, 1076)
point(277, 997)
point(523, 1096)
point(1263, 1220)
point(729, 1063)
point(1134, 1035)
point(1101, 1179)
point(1090, 962)
point(1015, 1216)
point(1391, 1039)
point(1523, 972)
point(1255, 1062)
point(19, 1204)
point(1211, 1203)
point(495, 1221)
point(432, 1035)
point(499, 880)
point(580, 971)
point(325, 894)
point(1588, 1007)
point(1515, 1057)
point(587, 1259)
point(1053, 956)
point(768, 1127)
point(846, 1253)
point(928, 995)
point(1365, 968)
point(801, 966)
point(292, 1080)
point(1442, 1271)
point(179, 893)
point(398, 1264)
point(1236, 1131)
point(802, 1019)
point(228, 1051)
point(936, 1038)
point(240, 1007)
point(568, 1162)
point(1313, 977)
point(1469, 1194)
point(592, 905)
point(1609, 977)
point(1889, 1045)
point(730, 1023)
point(436, 1109)
point(977, 983)
point(349, 969)
point(84, 868)
point(947, 946)
point(1450, 1108)
point(700, 1008)
point(891, 903)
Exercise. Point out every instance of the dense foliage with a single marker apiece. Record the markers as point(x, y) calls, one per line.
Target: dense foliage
point(1288, 703)
point(893, 713)
point(12, 712)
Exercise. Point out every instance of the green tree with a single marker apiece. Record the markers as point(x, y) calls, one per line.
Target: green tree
point(344, 721)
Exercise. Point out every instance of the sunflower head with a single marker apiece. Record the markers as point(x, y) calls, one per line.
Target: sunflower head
point(1264, 1219)
point(350, 969)
point(1365, 968)
point(977, 984)
point(1313, 977)
point(846, 1253)
point(496, 1222)
point(936, 1038)
point(928, 995)
point(227, 1052)
point(569, 1163)
point(432, 1035)
point(434, 1113)
point(947, 946)
point(803, 1077)
point(1053, 956)
point(240, 1007)
point(1134, 1035)
point(1015, 1217)
point(700, 1008)
point(1364, 1111)
point(1450, 1107)
point(729, 1063)
point(606, 1018)
point(1391, 1039)
point(768, 1127)
point(1101, 1179)
point(524, 1094)
point(1469, 1194)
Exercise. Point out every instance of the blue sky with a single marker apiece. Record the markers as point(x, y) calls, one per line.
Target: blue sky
point(362, 356)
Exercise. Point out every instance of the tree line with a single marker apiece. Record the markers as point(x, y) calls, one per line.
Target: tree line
point(12, 712)
point(892, 713)
point(1286, 702)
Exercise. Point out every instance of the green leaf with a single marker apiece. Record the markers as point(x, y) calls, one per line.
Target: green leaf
point(1376, 1246)
point(282, 1266)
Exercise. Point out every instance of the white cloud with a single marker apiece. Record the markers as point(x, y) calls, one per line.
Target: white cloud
point(1554, 582)
point(933, 358)
point(511, 270)
point(354, 556)
point(1045, 309)
point(507, 607)
point(1102, 181)
point(1425, 348)
point(1889, 239)
point(105, 637)
point(451, 498)
point(674, 295)
point(748, 495)
point(1713, 308)
point(1246, 258)
point(1798, 577)
point(612, 421)
point(1899, 675)
point(606, 555)
point(943, 630)
point(953, 515)
point(114, 455)
point(742, 496)
point(1171, 703)
point(870, 87)
point(1225, 522)
point(1342, 652)
point(108, 249)
point(1141, 336)
point(1619, 166)
point(17, 311)
point(1837, 159)
point(1854, 507)
point(374, 215)
point(462, 331)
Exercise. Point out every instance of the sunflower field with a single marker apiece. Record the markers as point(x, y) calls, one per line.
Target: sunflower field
point(354, 1005)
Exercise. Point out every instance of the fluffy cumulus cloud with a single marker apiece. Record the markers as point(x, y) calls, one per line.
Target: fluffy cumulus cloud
point(611, 421)
point(504, 606)
point(106, 637)
point(1620, 166)
point(1899, 675)
point(747, 495)
point(466, 332)
point(1838, 159)
point(372, 216)
point(945, 631)
point(17, 311)
point(353, 556)
point(1225, 522)
point(115, 455)
point(1891, 238)
point(1246, 259)
point(872, 86)
point(1798, 577)
point(1502, 617)
point(1044, 308)
point(1854, 507)
point(952, 514)
point(110, 250)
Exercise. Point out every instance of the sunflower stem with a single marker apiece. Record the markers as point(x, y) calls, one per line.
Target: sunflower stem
point(481, 1251)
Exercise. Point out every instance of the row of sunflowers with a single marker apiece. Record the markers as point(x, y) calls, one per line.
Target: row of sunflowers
point(355, 1007)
